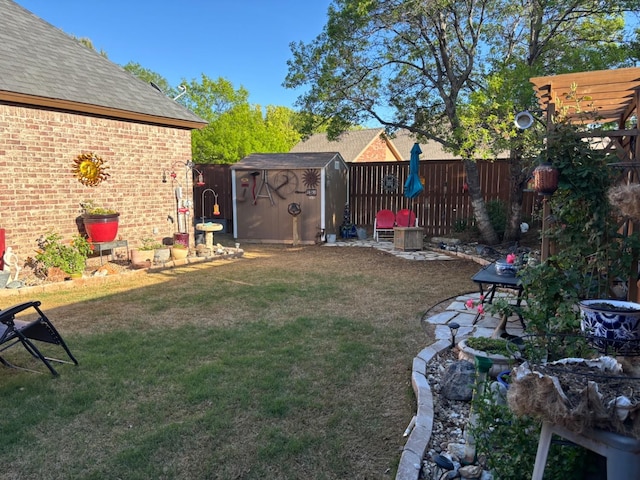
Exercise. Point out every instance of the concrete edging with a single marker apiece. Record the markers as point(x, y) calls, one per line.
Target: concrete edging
point(30, 291)
point(416, 446)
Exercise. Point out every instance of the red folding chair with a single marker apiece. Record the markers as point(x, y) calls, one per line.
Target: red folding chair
point(406, 218)
point(384, 222)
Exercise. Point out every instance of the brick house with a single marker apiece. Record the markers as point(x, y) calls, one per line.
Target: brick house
point(355, 146)
point(60, 99)
point(374, 145)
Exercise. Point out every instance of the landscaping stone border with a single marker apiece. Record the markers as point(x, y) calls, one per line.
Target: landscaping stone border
point(416, 446)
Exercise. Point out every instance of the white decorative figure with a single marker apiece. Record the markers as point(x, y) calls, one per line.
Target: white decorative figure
point(11, 262)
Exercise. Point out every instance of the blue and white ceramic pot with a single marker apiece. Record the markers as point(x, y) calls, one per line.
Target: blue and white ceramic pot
point(611, 326)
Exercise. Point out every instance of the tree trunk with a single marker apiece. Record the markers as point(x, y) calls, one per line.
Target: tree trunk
point(480, 214)
point(517, 180)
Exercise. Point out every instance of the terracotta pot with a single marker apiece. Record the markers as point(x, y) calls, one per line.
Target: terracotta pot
point(140, 257)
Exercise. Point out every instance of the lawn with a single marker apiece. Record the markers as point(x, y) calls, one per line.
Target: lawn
point(288, 363)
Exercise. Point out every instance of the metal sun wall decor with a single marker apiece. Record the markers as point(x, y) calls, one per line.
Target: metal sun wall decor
point(90, 169)
point(311, 178)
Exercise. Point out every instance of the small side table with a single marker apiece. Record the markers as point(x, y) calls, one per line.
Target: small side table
point(110, 246)
point(622, 453)
point(488, 276)
point(408, 238)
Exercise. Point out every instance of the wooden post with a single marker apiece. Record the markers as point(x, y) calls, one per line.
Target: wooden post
point(632, 281)
point(546, 213)
point(296, 239)
point(546, 208)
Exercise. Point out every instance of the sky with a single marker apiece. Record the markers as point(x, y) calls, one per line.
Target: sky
point(243, 41)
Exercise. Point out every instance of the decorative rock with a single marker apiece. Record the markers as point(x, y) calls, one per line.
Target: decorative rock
point(470, 471)
point(461, 378)
point(456, 450)
point(447, 240)
point(498, 393)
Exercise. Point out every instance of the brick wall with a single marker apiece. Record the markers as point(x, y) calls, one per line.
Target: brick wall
point(377, 151)
point(40, 194)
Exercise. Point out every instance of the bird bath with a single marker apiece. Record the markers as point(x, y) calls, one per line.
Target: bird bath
point(208, 229)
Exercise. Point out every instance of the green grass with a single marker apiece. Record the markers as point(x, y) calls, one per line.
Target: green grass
point(161, 390)
point(263, 368)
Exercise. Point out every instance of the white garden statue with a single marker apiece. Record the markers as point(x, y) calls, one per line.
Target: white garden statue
point(11, 262)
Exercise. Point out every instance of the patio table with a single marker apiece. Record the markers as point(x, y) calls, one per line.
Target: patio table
point(488, 276)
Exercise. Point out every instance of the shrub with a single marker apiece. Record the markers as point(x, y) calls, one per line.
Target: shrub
point(69, 257)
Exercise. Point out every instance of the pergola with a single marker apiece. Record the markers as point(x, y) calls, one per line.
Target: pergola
point(614, 96)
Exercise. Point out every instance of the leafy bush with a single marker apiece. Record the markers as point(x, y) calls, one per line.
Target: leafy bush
point(69, 257)
point(514, 459)
point(589, 250)
point(90, 208)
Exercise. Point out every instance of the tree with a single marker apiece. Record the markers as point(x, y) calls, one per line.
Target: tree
point(545, 37)
point(236, 128)
point(89, 44)
point(151, 77)
point(416, 64)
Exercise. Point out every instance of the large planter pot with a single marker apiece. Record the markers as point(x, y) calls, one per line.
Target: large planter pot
point(611, 325)
point(101, 228)
point(182, 238)
point(499, 363)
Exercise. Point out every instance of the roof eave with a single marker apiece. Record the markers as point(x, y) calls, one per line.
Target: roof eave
point(57, 104)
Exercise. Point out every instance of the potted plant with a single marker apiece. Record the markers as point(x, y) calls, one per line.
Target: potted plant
point(100, 223)
point(70, 258)
point(179, 251)
point(611, 325)
point(494, 349)
point(143, 255)
point(162, 253)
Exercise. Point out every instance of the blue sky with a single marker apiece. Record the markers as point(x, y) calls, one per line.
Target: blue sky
point(243, 41)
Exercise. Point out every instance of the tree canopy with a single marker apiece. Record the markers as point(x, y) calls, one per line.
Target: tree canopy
point(236, 128)
point(452, 71)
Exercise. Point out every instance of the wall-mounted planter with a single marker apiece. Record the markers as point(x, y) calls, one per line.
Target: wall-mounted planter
point(101, 228)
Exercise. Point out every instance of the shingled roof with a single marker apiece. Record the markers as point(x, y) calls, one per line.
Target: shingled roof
point(431, 150)
point(41, 65)
point(350, 144)
point(271, 161)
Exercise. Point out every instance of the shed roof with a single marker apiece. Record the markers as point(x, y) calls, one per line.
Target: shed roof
point(613, 93)
point(42, 66)
point(271, 161)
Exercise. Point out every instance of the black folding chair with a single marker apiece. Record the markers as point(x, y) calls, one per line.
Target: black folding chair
point(14, 331)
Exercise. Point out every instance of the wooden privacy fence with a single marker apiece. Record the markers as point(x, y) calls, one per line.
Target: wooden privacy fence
point(440, 208)
point(443, 204)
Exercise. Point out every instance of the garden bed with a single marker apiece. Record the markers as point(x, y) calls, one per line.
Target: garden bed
point(580, 394)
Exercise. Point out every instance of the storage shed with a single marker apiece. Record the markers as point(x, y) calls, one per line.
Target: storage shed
point(295, 198)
